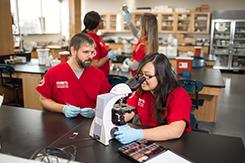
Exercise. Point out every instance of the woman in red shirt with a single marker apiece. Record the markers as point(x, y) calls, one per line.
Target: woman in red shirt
point(163, 107)
point(147, 43)
point(93, 22)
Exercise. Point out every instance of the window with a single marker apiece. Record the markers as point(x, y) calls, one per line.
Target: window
point(40, 16)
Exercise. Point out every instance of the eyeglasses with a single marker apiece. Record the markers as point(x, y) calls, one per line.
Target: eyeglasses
point(147, 77)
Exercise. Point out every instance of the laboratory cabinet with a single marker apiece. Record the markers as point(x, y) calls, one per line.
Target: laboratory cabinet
point(228, 43)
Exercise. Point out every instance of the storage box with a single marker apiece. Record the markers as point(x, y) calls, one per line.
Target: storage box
point(184, 64)
point(64, 56)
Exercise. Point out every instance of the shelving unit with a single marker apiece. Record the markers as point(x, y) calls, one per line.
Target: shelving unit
point(220, 43)
point(228, 44)
point(228, 39)
point(238, 59)
point(179, 23)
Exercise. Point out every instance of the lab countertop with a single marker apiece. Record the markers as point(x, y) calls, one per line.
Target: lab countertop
point(209, 77)
point(31, 67)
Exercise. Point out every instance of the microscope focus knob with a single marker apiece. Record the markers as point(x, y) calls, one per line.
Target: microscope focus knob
point(113, 130)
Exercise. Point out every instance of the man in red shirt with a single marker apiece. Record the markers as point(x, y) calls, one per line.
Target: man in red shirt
point(163, 107)
point(72, 87)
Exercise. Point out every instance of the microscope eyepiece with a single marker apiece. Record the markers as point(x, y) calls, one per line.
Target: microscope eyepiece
point(135, 82)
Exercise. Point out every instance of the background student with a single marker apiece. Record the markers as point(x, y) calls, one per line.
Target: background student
point(148, 39)
point(163, 107)
point(73, 86)
point(93, 22)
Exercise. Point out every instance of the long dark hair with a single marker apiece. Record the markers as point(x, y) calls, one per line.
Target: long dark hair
point(167, 80)
point(91, 21)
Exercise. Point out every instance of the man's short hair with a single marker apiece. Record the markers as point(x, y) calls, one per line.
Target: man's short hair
point(78, 39)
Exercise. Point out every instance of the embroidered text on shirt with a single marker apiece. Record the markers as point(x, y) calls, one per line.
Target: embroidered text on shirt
point(141, 102)
point(62, 84)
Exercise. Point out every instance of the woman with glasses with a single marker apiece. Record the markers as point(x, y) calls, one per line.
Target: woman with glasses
point(163, 107)
point(93, 22)
point(148, 39)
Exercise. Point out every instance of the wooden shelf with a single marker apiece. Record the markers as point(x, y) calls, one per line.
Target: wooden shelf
point(176, 22)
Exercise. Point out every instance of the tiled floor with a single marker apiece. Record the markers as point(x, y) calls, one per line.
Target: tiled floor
point(231, 108)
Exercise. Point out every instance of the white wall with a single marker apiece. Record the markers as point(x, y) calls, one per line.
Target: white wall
point(103, 6)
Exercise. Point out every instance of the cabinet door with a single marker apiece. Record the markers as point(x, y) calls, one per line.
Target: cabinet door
point(201, 23)
point(238, 51)
point(136, 19)
point(184, 21)
point(104, 18)
point(166, 22)
point(110, 22)
point(221, 43)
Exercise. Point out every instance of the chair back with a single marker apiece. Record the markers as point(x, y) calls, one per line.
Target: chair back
point(189, 85)
point(2, 66)
point(6, 72)
point(193, 86)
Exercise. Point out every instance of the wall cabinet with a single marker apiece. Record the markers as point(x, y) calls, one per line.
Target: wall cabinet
point(176, 22)
point(110, 22)
point(166, 23)
point(184, 21)
point(201, 24)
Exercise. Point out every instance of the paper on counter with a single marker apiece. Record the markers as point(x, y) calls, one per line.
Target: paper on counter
point(168, 157)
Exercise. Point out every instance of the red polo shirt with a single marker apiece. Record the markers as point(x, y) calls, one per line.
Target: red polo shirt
point(178, 107)
point(138, 54)
point(101, 51)
point(62, 85)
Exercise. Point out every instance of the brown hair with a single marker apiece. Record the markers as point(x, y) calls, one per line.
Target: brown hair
point(149, 31)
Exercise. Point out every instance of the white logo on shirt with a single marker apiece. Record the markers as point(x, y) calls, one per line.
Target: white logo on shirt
point(141, 102)
point(62, 84)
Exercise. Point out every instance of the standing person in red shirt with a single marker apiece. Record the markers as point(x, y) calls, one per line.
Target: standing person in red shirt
point(73, 86)
point(93, 22)
point(148, 39)
point(162, 106)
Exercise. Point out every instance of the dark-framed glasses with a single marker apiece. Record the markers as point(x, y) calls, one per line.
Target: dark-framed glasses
point(147, 77)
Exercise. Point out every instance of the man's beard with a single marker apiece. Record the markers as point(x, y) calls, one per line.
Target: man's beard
point(83, 64)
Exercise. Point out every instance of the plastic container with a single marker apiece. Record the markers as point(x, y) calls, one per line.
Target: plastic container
point(184, 64)
point(64, 56)
point(43, 56)
point(197, 51)
point(198, 62)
